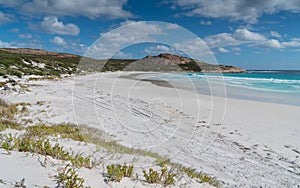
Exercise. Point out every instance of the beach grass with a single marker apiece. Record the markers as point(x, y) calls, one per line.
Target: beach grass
point(92, 135)
point(35, 139)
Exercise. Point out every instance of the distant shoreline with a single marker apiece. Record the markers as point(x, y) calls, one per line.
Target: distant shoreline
point(232, 91)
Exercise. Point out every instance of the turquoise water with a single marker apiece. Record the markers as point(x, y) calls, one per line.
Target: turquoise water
point(268, 86)
point(273, 81)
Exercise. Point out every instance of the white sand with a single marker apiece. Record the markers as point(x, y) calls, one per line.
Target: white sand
point(242, 143)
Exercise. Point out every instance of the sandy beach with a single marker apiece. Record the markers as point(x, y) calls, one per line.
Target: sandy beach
point(242, 143)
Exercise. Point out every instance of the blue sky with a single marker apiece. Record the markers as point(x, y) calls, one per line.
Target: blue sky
point(248, 34)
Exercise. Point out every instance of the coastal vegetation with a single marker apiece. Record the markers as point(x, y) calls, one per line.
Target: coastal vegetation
point(49, 65)
point(117, 172)
point(43, 140)
point(164, 177)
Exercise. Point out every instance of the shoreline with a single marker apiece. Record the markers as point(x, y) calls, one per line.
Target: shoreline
point(233, 92)
point(221, 138)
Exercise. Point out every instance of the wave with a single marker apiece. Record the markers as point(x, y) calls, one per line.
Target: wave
point(263, 84)
point(266, 80)
point(275, 71)
point(296, 86)
point(263, 71)
point(261, 88)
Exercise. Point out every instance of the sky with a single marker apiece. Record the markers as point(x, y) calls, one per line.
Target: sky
point(249, 34)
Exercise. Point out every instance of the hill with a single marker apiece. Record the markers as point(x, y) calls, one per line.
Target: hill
point(24, 61)
point(171, 62)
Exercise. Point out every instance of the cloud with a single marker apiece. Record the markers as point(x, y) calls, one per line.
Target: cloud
point(11, 3)
point(25, 36)
point(238, 37)
point(68, 45)
point(295, 42)
point(272, 43)
point(122, 55)
point(275, 34)
point(172, 26)
point(248, 11)
point(205, 22)
point(4, 44)
point(58, 41)
point(13, 44)
point(246, 35)
point(130, 32)
point(159, 48)
point(223, 50)
point(194, 46)
point(5, 18)
point(236, 49)
point(221, 40)
point(112, 9)
point(53, 26)
point(138, 32)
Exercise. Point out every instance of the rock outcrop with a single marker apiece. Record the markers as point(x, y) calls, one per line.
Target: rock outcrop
point(188, 64)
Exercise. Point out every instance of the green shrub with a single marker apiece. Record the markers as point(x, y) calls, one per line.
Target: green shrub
point(68, 178)
point(117, 172)
point(81, 161)
point(64, 130)
point(152, 176)
point(3, 71)
point(164, 177)
point(7, 111)
point(210, 180)
point(8, 143)
point(5, 124)
point(28, 143)
point(15, 73)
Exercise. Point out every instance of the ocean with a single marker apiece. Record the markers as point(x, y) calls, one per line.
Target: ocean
point(276, 86)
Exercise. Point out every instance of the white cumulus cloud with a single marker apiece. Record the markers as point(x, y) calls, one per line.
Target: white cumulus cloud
point(52, 25)
point(58, 41)
point(238, 37)
point(246, 10)
point(275, 34)
point(295, 42)
point(112, 9)
point(272, 43)
point(130, 32)
point(246, 35)
point(223, 50)
point(68, 45)
point(221, 40)
point(196, 48)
